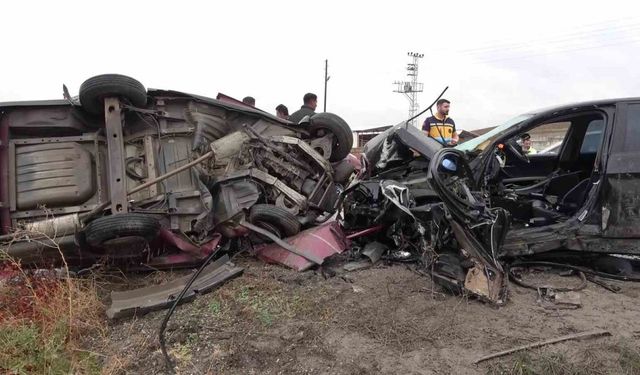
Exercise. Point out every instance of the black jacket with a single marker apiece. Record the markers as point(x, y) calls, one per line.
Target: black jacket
point(298, 115)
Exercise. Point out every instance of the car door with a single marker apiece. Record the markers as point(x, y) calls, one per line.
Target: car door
point(621, 193)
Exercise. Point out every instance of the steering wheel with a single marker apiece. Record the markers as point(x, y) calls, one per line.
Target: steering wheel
point(517, 151)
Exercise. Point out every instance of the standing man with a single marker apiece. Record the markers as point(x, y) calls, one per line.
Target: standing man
point(249, 100)
point(440, 126)
point(308, 108)
point(282, 111)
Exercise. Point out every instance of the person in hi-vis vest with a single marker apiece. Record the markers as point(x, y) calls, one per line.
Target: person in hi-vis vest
point(440, 126)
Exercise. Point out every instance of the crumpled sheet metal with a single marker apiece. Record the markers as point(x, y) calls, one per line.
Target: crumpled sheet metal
point(321, 242)
point(156, 297)
point(486, 279)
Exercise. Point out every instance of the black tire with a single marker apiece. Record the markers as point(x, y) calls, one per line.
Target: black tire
point(286, 223)
point(342, 136)
point(108, 228)
point(95, 89)
point(342, 172)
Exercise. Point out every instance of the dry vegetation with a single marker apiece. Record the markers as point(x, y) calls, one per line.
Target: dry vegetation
point(276, 321)
point(43, 319)
point(621, 358)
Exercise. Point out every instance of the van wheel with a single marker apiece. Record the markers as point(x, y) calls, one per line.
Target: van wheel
point(104, 229)
point(323, 123)
point(94, 90)
point(275, 219)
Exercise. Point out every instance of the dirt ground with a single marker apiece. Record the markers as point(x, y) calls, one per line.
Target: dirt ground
point(384, 320)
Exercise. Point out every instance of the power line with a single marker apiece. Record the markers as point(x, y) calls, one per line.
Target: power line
point(588, 29)
point(559, 51)
point(551, 39)
point(559, 43)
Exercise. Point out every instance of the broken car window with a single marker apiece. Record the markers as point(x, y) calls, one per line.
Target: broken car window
point(592, 137)
point(548, 135)
point(481, 142)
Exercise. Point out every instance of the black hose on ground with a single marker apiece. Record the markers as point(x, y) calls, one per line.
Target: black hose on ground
point(165, 321)
point(522, 283)
point(585, 270)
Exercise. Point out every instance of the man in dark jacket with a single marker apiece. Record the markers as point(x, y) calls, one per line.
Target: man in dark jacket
point(308, 108)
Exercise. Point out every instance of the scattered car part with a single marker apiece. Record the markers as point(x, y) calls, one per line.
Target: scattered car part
point(306, 255)
point(585, 270)
point(374, 250)
point(554, 300)
point(515, 274)
point(187, 289)
point(608, 286)
point(143, 300)
point(312, 246)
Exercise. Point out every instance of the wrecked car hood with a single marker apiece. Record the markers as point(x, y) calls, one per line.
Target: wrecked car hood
point(396, 143)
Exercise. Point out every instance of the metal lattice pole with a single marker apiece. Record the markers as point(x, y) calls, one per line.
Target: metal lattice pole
point(411, 87)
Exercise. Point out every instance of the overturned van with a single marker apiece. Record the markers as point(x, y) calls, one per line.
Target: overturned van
point(158, 176)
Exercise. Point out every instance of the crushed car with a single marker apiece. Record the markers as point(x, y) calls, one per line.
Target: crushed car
point(160, 178)
point(472, 211)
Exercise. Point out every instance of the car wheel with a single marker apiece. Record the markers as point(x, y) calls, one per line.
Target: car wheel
point(323, 123)
point(275, 219)
point(105, 229)
point(94, 90)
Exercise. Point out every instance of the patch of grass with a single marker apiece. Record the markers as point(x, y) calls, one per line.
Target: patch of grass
point(537, 363)
point(620, 358)
point(215, 307)
point(243, 294)
point(182, 353)
point(628, 357)
point(44, 316)
point(264, 315)
point(258, 301)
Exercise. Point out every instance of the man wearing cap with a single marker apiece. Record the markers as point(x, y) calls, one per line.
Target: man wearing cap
point(440, 126)
point(526, 145)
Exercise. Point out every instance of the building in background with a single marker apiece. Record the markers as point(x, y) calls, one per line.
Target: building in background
point(361, 137)
point(542, 137)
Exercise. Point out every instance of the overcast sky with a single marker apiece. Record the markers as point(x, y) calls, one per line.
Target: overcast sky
point(498, 58)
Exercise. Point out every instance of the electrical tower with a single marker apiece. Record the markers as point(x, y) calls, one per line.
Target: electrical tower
point(411, 87)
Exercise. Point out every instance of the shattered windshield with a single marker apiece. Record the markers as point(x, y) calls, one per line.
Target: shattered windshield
point(481, 142)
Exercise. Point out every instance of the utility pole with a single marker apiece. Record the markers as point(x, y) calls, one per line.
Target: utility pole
point(412, 87)
point(326, 79)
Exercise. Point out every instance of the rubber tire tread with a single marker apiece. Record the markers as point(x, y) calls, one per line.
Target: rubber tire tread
point(121, 225)
point(95, 89)
point(343, 137)
point(285, 220)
